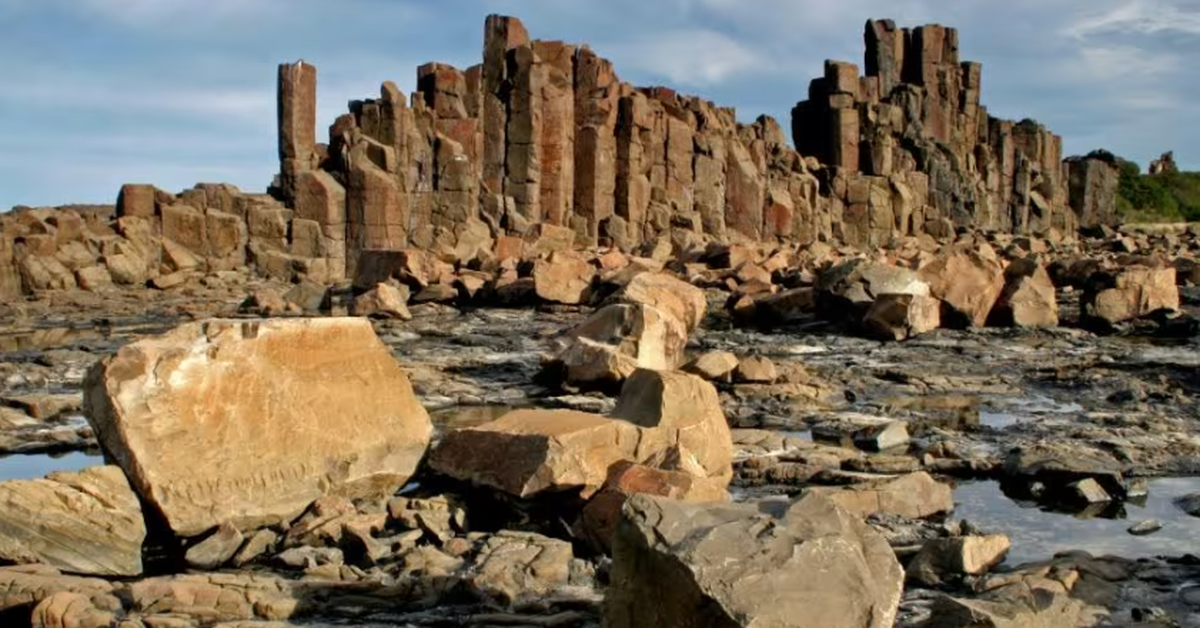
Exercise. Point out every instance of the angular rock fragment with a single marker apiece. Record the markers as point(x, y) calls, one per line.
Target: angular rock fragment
point(901, 316)
point(247, 423)
point(942, 561)
point(1114, 297)
point(676, 298)
point(748, 565)
point(1029, 298)
point(866, 432)
point(914, 496)
point(530, 452)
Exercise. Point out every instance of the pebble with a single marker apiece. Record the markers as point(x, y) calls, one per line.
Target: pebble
point(1142, 528)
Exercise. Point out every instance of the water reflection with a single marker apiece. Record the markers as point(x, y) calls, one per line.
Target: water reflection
point(1037, 534)
point(33, 466)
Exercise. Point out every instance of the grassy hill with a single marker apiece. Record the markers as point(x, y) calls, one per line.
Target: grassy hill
point(1166, 196)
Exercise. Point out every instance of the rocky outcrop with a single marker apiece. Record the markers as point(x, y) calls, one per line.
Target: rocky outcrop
point(1092, 182)
point(248, 422)
point(749, 565)
point(542, 147)
point(86, 523)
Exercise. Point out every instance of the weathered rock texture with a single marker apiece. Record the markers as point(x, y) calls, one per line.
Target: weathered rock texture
point(544, 134)
point(808, 563)
point(248, 422)
point(88, 523)
point(542, 142)
point(659, 416)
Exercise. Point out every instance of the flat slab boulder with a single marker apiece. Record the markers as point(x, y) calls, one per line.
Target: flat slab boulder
point(659, 415)
point(86, 523)
point(527, 452)
point(913, 496)
point(681, 564)
point(248, 423)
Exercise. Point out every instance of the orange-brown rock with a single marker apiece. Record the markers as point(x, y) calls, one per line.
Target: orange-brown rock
point(88, 522)
point(901, 316)
point(968, 282)
point(248, 422)
point(608, 346)
point(672, 296)
point(1029, 298)
point(528, 452)
point(600, 516)
point(564, 277)
point(1129, 293)
point(915, 496)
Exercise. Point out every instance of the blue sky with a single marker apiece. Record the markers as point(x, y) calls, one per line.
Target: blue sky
point(95, 93)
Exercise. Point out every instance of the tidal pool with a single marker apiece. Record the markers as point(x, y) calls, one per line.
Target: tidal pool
point(1038, 534)
point(34, 466)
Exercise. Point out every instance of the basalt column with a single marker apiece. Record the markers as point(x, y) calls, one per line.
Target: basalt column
point(501, 34)
point(523, 141)
point(297, 118)
point(597, 93)
point(557, 194)
point(627, 227)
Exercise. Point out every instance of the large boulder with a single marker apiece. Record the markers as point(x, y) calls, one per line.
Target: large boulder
point(529, 452)
point(678, 410)
point(1130, 293)
point(968, 282)
point(1028, 299)
point(599, 518)
point(680, 564)
point(901, 316)
point(677, 298)
point(846, 291)
point(87, 523)
point(564, 277)
point(247, 423)
point(617, 339)
point(913, 496)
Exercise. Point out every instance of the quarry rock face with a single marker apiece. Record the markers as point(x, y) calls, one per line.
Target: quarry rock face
point(247, 423)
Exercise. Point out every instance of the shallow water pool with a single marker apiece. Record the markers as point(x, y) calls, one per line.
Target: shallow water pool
point(1037, 534)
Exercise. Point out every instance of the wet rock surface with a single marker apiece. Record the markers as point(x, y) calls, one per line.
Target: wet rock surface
point(1035, 411)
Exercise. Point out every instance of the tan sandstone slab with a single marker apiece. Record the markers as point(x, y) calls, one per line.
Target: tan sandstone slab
point(248, 423)
point(88, 523)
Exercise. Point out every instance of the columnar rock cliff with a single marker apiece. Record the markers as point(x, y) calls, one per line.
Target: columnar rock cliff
point(543, 136)
point(542, 147)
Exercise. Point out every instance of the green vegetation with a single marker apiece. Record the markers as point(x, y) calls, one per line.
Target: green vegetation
point(1166, 196)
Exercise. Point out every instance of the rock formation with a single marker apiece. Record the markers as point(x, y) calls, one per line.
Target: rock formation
point(541, 147)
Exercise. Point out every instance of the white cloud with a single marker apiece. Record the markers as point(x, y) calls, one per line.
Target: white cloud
point(1128, 65)
point(689, 58)
point(177, 12)
point(118, 96)
point(1141, 17)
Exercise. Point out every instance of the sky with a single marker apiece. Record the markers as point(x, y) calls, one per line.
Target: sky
point(97, 93)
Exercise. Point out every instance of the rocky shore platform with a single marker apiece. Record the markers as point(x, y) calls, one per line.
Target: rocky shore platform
point(536, 347)
point(692, 439)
